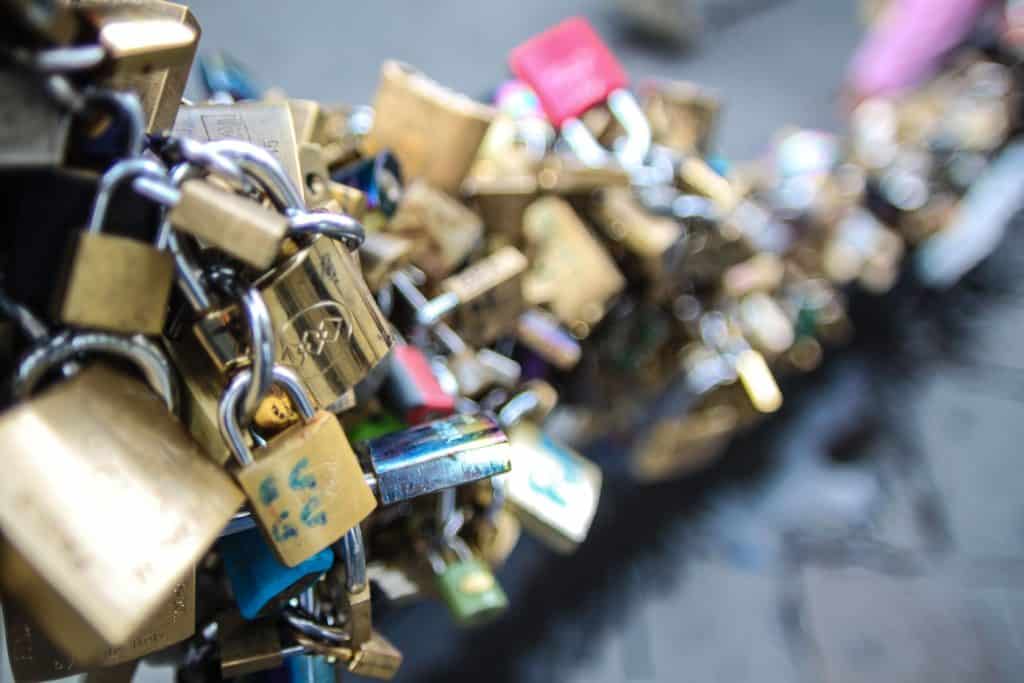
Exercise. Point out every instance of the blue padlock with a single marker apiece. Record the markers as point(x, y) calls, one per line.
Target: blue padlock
point(257, 576)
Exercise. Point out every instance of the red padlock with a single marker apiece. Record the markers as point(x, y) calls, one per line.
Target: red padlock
point(572, 70)
point(411, 389)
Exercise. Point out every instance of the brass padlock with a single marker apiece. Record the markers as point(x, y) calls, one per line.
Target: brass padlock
point(435, 132)
point(100, 532)
point(161, 86)
point(267, 125)
point(305, 486)
point(33, 657)
point(682, 114)
point(442, 230)
point(562, 251)
point(382, 254)
point(327, 324)
point(117, 283)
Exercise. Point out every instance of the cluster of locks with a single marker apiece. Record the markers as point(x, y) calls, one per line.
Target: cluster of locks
point(296, 349)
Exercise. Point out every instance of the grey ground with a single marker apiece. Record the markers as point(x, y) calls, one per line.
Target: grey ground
point(903, 564)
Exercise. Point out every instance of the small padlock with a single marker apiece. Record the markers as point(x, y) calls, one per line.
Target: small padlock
point(258, 577)
point(442, 230)
point(108, 537)
point(117, 283)
point(552, 489)
point(306, 488)
point(561, 250)
point(433, 130)
point(412, 390)
point(437, 455)
point(467, 586)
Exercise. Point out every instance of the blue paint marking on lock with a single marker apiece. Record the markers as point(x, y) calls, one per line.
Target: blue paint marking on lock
point(257, 576)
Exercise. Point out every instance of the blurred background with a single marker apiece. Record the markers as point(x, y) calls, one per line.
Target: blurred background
point(872, 530)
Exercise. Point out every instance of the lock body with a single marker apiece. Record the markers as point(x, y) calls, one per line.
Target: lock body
point(118, 284)
point(490, 296)
point(258, 577)
point(306, 488)
point(329, 328)
point(101, 531)
point(470, 591)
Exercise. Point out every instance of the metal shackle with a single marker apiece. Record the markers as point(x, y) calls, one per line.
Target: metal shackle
point(143, 353)
point(336, 226)
point(262, 167)
point(228, 409)
point(353, 552)
point(112, 179)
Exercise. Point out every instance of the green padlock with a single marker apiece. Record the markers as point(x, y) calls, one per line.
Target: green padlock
point(467, 586)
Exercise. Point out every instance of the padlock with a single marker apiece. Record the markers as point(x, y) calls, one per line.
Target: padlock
point(202, 385)
point(382, 254)
point(572, 70)
point(411, 389)
point(33, 657)
point(306, 118)
point(268, 125)
point(259, 579)
point(655, 247)
point(328, 326)
point(442, 230)
point(437, 455)
point(35, 131)
point(377, 658)
point(498, 538)
point(434, 131)
point(320, 191)
point(108, 538)
point(683, 115)
point(540, 332)
point(552, 489)
point(117, 283)
point(136, 34)
point(485, 298)
point(253, 647)
point(467, 585)
point(234, 224)
point(500, 201)
point(561, 250)
point(306, 487)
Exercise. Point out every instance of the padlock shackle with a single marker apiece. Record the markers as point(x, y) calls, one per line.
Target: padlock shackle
point(262, 167)
point(335, 226)
point(143, 353)
point(228, 408)
point(130, 106)
point(353, 552)
point(112, 179)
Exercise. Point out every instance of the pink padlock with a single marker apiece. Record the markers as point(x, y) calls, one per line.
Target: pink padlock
point(572, 70)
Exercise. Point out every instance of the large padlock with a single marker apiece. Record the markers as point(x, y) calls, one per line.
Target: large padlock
point(117, 283)
point(572, 70)
point(434, 131)
point(151, 46)
point(561, 250)
point(552, 489)
point(437, 455)
point(328, 325)
point(257, 576)
point(100, 532)
point(305, 486)
point(443, 231)
point(467, 585)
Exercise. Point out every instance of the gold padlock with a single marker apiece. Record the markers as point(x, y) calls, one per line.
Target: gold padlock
point(100, 532)
point(137, 33)
point(442, 230)
point(435, 132)
point(305, 486)
point(682, 115)
point(570, 272)
point(327, 324)
point(33, 657)
point(382, 254)
point(265, 124)
point(117, 283)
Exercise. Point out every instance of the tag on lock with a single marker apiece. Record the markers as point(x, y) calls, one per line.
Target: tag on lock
point(434, 131)
point(562, 250)
point(151, 46)
point(553, 489)
point(33, 657)
point(267, 125)
point(306, 487)
point(442, 230)
point(437, 455)
point(101, 531)
point(117, 283)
